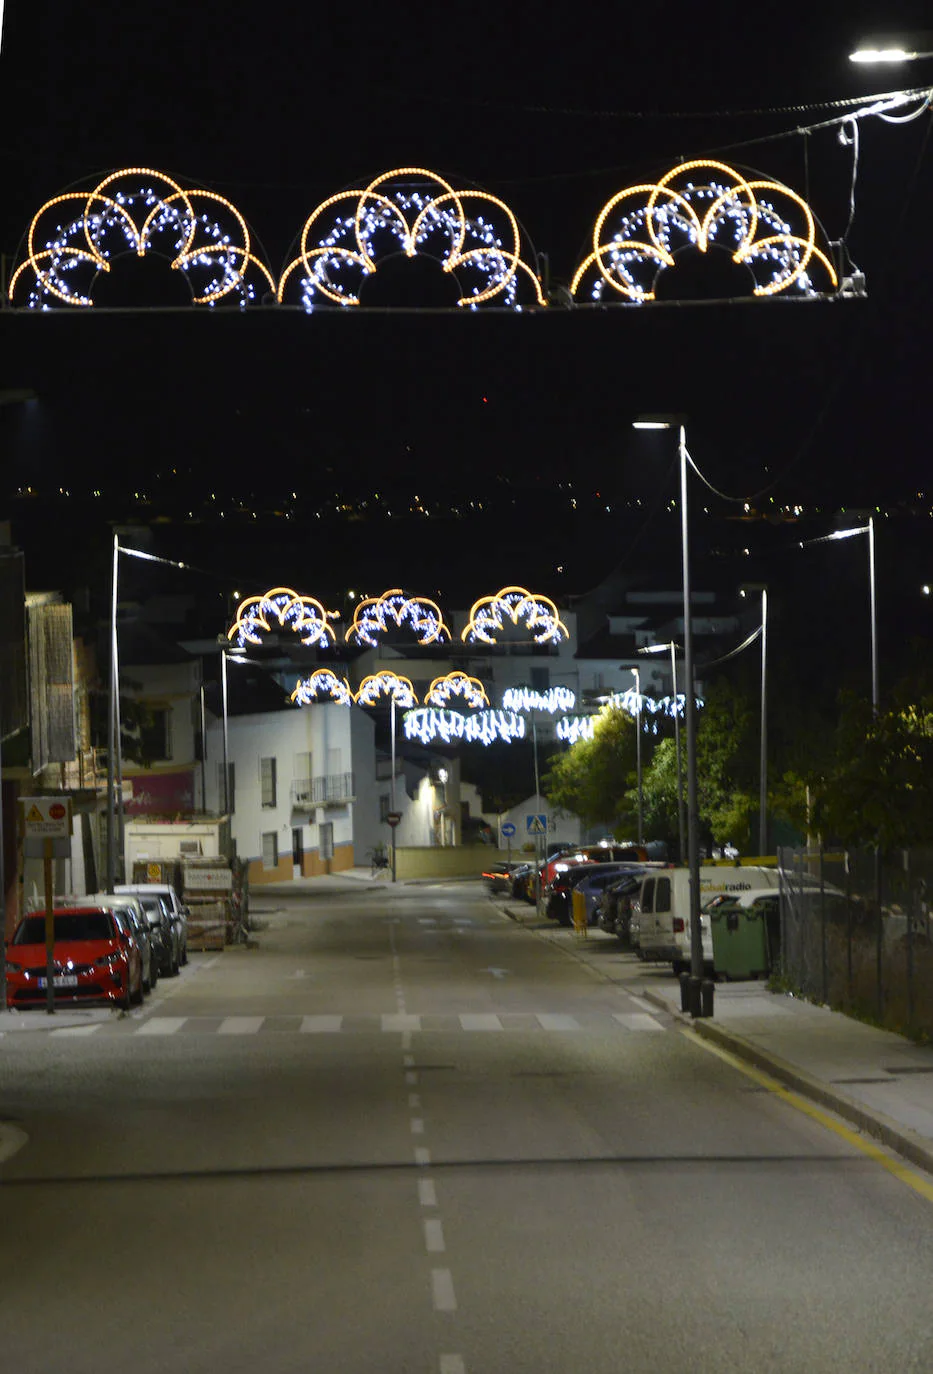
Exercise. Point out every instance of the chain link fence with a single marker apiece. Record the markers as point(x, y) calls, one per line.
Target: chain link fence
point(857, 933)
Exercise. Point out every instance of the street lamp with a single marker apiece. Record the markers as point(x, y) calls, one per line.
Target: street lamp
point(763, 766)
point(868, 529)
point(659, 649)
point(693, 849)
point(638, 753)
point(888, 50)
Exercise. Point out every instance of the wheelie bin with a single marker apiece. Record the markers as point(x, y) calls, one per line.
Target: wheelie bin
point(740, 941)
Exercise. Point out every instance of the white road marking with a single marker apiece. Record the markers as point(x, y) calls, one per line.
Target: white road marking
point(417, 1125)
point(162, 1025)
point(427, 1192)
point(637, 1021)
point(406, 1040)
point(408, 1060)
point(401, 1022)
point(78, 1030)
point(480, 1021)
point(414, 1099)
point(463, 920)
point(240, 1025)
point(411, 1078)
point(452, 1364)
point(496, 972)
point(422, 1156)
point(434, 1237)
point(442, 1291)
point(208, 963)
point(640, 1002)
point(427, 921)
point(555, 1021)
point(321, 1025)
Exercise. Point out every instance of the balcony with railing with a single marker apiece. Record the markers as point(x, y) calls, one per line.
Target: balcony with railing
point(329, 789)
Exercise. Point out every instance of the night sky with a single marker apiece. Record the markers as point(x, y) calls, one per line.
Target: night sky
point(553, 108)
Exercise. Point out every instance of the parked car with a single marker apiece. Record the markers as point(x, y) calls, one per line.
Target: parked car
point(663, 907)
point(594, 884)
point(558, 902)
point(177, 909)
point(614, 907)
point(129, 909)
point(519, 879)
point(95, 959)
point(498, 877)
point(163, 930)
point(591, 853)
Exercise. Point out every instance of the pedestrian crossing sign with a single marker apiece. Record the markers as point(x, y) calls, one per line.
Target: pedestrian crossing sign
point(536, 825)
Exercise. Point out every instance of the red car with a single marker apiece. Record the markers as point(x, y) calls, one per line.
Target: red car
point(95, 960)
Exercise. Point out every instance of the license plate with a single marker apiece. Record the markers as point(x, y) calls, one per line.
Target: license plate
point(61, 980)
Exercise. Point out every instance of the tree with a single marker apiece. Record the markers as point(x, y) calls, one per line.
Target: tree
point(594, 777)
point(659, 795)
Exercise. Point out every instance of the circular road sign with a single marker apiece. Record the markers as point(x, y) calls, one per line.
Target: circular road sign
point(508, 830)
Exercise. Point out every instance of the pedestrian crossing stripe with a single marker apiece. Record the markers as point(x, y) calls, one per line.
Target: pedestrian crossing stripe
point(394, 1023)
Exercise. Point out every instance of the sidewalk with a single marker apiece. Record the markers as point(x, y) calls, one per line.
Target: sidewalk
point(874, 1079)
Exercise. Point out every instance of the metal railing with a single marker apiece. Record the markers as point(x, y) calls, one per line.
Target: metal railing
point(329, 789)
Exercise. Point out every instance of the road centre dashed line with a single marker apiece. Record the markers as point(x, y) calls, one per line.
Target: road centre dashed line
point(443, 1297)
point(427, 1192)
point(434, 1236)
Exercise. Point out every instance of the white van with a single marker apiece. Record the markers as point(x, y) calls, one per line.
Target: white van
point(662, 906)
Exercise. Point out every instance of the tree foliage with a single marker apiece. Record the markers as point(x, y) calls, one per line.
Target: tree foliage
point(593, 779)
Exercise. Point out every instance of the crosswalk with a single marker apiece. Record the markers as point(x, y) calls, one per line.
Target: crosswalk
point(387, 1024)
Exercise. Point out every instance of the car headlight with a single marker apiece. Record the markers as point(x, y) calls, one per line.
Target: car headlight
point(106, 960)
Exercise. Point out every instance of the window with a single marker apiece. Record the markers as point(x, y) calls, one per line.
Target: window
point(647, 895)
point(540, 679)
point(270, 849)
point(384, 806)
point(155, 734)
point(326, 837)
point(267, 782)
point(662, 899)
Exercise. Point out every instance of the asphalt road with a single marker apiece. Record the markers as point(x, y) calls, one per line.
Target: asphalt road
point(404, 1134)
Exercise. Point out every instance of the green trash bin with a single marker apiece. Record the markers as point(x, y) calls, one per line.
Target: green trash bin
point(740, 940)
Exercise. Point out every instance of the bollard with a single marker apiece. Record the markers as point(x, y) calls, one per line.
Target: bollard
point(707, 988)
point(685, 992)
point(693, 996)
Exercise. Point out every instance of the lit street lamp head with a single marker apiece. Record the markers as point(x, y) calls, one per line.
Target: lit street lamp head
point(890, 50)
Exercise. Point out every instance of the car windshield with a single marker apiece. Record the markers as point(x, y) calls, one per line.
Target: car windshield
point(77, 925)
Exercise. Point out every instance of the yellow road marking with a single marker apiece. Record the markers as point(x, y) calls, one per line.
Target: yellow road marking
point(903, 1172)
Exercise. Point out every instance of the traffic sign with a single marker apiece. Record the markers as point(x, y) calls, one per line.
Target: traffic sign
point(536, 825)
point(46, 818)
point(393, 818)
point(508, 830)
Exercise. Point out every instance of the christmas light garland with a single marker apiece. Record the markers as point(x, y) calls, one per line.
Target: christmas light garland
point(376, 614)
point(323, 683)
point(410, 211)
point(764, 225)
point(514, 605)
point(302, 614)
point(136, 211)
point(526, 699)
point(450, 727)
point(456, 684)
point(386, 685)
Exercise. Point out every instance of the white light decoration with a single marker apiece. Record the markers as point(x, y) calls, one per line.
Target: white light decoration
point(526, 699)
point(485, 727)
point(537, 614)
point(410, 211)
point(375, 615)
point(573, 728)
point(456, 684)
point(389, 686)
point(701, 204)
point(301, 614)
point(323, 683)
point(75, 237)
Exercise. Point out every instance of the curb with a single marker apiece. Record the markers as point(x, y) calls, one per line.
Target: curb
point(901, 1139)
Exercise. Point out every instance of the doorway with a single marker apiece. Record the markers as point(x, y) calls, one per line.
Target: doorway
point(298, 853)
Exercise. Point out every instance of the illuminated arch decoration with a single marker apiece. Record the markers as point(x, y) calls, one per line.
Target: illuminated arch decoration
point(375, 616)
point(410, 211)
point(526, 699)
point(387, 686)
point(258, 615)
point(457, 684)
point(570, 729)
point(322, 684)
point(450, 727)
point(701, 204)
point(75, 237)
point(490, 615)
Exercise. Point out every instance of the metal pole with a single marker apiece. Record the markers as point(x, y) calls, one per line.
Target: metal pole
point(680, 771)
point(693, 850)
point(392, 782)
point(118, 725)
point(534, 740)
point(763, 772)
point(874, 615)
point(2, 879)
point(641, 806)
point(203, 752)
point(223, 699)
point(112, 727)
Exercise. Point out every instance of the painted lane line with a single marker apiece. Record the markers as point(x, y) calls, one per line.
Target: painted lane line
point(406, 1040)
point(411, 1078)
point(408, 1060)
point(442, 1291)
point(427, 1192)
point(637, 1021)
point(422, 1156)
point(321, 1025)
point(417, 1125)
point(427, 921)
point(208, 963)
point(452, 1364)
point(401, 1023)
point(640, 1002)
point(480, 1021)
point(240, 1025)
point(555, 1021)
point(162, 1025)
point(434, 1237)
point(77, 1030)
point(414, 1099)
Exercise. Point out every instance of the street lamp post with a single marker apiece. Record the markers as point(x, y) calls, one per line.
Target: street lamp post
point(890, 50)
point(763, 764)
point(641, 804)
point(868, 529)
point(696, 1000)
point(659, 649)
